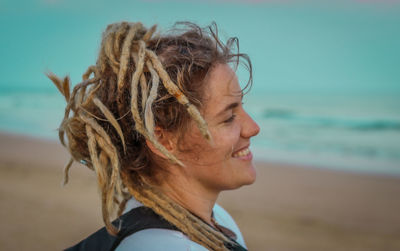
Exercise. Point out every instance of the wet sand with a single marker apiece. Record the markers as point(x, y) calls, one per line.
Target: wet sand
point(288, 208)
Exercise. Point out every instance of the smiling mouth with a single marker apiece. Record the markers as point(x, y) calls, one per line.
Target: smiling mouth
point(242, 153)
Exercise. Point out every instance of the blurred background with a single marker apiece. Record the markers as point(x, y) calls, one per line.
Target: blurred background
point(326, 73)
point(326, 89)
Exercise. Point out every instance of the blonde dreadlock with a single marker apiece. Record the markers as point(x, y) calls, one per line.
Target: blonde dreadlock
point(135, 83)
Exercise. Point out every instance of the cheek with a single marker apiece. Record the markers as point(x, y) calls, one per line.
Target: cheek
point(194, 149)
point(197, 150)
point(226, 139)
point(228, 133)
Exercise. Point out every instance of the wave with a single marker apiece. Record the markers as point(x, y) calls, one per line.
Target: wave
point(278, 113)
point(358, 124)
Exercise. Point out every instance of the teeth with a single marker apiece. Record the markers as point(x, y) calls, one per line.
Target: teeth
point(242, 153)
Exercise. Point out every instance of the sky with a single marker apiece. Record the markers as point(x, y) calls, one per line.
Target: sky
point(295, 46)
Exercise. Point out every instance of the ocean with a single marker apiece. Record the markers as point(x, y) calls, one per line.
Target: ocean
point(358, 133)
point(347, 132)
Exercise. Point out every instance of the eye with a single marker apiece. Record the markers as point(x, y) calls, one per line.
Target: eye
point(230, 119)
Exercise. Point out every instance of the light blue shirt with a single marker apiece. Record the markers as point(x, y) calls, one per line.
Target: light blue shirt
point(155, 239)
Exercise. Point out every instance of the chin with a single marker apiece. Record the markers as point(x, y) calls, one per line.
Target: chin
point(251, 179)
point(243, 183)
point(247, 178)
point(250, 175)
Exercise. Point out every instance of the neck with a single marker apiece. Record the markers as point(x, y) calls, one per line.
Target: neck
point(191, 196)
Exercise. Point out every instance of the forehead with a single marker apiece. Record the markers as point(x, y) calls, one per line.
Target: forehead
point(222, 88)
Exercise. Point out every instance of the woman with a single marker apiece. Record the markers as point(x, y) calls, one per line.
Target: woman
point(160, 120)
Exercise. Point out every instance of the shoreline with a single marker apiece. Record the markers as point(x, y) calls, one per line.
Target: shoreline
point(288, 207)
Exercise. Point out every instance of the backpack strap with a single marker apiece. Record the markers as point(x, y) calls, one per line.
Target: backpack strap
point(137, 219)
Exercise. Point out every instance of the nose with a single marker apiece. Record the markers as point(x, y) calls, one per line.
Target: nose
point(249, 127)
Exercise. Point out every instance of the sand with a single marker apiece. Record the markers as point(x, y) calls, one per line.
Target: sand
point(288, 208)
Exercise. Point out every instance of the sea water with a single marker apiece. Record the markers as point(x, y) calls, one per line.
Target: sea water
point(348, 132)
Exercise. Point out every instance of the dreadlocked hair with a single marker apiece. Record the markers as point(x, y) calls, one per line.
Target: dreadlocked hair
point(141, 81)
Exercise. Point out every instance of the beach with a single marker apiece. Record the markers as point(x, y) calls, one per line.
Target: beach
point(287, 208)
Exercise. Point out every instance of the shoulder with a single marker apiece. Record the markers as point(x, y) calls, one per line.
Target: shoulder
point(225, 219)
point(158, 240)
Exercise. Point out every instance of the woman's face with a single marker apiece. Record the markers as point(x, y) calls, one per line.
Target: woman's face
point(227, 163)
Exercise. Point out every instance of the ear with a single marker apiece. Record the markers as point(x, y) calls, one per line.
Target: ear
point(164, 138)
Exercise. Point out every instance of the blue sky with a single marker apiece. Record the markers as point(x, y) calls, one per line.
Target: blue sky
point(348, 46)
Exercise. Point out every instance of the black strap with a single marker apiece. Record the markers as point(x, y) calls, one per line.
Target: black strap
point(137, 219)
